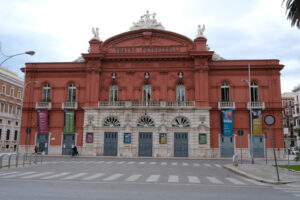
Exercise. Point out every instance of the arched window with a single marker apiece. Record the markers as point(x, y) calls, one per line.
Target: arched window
point(113, 94)
point(180, 122)
point(180, 93)
point(225, 92)
point(4, 89)
point(12, 91)
point(145, 121)
point(111, 121)
point(46, 92)
point(72, 92)
point(254, 91)
point(146, 94)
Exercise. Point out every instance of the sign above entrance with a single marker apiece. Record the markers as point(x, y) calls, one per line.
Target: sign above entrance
point(150, 49)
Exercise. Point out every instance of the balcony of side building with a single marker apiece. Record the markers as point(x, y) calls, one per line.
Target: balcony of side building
point(141, 104)
point(226, 105)
point(43, 105)
point(256, 105)
point(72, 105)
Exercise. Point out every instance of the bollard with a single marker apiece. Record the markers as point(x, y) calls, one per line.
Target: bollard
point(24, 159)
point(9, 159)
point(17, 160)
point(35, 159)
point(1, 158)
point(235, 160)
point(42, 159)
point(30, 159)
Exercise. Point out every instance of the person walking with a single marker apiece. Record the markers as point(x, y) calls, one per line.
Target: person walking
point(35, 149)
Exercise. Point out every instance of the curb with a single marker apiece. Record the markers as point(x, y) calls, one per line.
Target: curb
point(260, 179)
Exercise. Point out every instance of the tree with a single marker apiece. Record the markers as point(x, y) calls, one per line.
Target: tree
point(297, 130)
point(293, 11)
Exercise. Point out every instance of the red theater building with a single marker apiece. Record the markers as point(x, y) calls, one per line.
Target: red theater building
point(151, 92)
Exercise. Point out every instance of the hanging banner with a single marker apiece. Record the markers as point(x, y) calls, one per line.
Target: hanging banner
point(227, 123)
point(257, 122)
point(69, 122)
point(42, 117)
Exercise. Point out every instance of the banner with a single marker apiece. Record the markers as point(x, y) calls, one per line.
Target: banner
point(42, 117)
point(257, 123)
point(227, 123)
point(69, 122)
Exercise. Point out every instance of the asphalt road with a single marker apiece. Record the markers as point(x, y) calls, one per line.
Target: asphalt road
point(119, 178)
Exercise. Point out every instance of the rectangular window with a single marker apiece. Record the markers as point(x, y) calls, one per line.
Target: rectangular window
point(10, 109)
point(283, 103)
point(4, 89)
point(162, 138)
point(7, 134)
point(12, 91)
point(225, 94)
point(16, 135)
point(0, 133)
point(89, 137)
point(202, 138)
point(127, 138)
point(2, 105)
point(19, 94)
point(297, 109)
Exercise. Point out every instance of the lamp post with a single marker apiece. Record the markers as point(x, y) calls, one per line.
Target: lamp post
point(250, 109)
point(31, 53)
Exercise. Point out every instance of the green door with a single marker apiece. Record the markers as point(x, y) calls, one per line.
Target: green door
point(145, 144)
point(110, 144)
point(181, 145)
point(227, 146)
point(68, 143)
point(42, 143)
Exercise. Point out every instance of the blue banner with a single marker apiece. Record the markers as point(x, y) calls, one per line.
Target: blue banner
point(227, 122)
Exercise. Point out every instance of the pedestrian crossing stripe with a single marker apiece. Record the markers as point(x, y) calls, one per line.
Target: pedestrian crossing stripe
point(214, 180)
point(93, 176)
point(193, 179)
point(113, 177)
point(56, 175)
point(37, 175)
point(74, 176)
point(133, 177)
point(173, 179)
point(153, 178)
point(235, 181)
point(18, 175)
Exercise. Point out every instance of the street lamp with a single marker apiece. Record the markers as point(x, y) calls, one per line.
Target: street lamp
point(250, 109)
point(31, 53)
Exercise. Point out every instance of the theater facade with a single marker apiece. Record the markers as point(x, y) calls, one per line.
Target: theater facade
point(155, 93)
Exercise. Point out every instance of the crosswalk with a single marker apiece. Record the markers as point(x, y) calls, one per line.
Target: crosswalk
point(291, 191)
point(152, 163)
point(120, 177)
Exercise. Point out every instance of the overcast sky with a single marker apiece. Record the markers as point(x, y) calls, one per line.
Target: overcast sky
point(59, 30)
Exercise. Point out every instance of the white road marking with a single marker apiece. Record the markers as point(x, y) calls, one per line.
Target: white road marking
point(37, 175)
point(109, 162)
point(153, 178)
point(173, 179)
point(185, 164)
point(113, 177)
point(7, 173)
point(152, 163)
point(56, 175)
point(214, 180)
point(174, 163)
point(141, 163)
point(217, 165)
point(253, 181)
point(18, 175)
point(121, 162)
point(196, 164)
point(93, 176)
point(133, 177)
point(131, 162)
point(163, 163)
point(74, 176)
point(207, 165)
point(193, 179)
point(100, 162)
point(235, 181)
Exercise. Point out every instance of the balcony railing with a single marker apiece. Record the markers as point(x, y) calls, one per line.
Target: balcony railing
point(226, 105)
point(69, 105)
point(43, 105)
point(256, 105)
point(146, 104)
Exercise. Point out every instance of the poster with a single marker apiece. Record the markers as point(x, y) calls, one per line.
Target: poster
point(42, 121)
point(89, 137)
point(202, 138)
point(127, 138)
point(163, 138)
point(227, 122)
point(69, 122)
point(257, 123)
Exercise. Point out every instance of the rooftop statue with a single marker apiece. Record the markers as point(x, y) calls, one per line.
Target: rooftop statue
point(201, 30)
point(147, 21)
point(95, 31)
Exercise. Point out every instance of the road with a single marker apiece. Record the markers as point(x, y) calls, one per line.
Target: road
point(142, 178)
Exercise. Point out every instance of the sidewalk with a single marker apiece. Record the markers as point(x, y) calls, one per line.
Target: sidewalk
point(266, 173)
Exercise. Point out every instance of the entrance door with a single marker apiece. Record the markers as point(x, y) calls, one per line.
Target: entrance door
point(181, 145)
point(110, 143)
point(227, 146)
point(68, 143)
point(145, 144)
point(42, 143)
point(258, 147)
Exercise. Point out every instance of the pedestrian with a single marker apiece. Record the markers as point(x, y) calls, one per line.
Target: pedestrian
point(35, 149)
point(74, 151)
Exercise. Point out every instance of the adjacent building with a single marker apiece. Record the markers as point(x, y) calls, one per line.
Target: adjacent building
point(11, 88)
point(288, 119)
point(152, 92)
point(297, 110)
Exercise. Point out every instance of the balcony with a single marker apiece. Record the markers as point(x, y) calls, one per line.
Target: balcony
point(141, 104)
point(256, 105)
point(226, 105)
point(43, 105)
point(69, 105)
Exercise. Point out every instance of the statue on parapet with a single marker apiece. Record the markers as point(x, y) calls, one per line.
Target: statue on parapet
point(95, 31)
point(201, 29)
